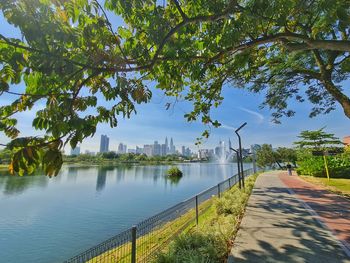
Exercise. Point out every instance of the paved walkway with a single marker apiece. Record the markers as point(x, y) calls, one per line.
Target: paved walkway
point(289, 220)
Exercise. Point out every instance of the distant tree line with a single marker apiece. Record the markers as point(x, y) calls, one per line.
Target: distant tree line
point(126, 157)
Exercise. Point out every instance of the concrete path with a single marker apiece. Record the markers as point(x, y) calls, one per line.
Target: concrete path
point(279, 226)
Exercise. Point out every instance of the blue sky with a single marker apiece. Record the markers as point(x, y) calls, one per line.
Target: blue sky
point(153, 122)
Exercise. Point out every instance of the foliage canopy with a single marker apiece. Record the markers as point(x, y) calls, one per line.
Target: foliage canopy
point(266, 156)
point(317, 140)
point(70, 52)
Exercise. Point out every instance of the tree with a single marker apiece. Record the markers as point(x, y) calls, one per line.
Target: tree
point(265, 156)
point(320, 141)
point(317, 140)
point(286, 155)
point(110, 155)
point(69, 52)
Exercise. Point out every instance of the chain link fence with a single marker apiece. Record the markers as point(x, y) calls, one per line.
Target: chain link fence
point(143, 241)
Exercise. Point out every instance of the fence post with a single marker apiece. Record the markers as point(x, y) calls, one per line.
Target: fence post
point(197, 210)
point(229, 183)
point(219, 190)
point(133, 244)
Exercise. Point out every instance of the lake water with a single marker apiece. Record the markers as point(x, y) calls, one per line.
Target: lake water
point(51, 219)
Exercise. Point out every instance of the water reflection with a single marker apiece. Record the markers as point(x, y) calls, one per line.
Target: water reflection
point(15, 185)
point(156, 173)
point(57, 212)
point(101, 177)
point(73, 173)
point(174, 180)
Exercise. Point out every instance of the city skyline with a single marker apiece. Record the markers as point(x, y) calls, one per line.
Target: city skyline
point(154, 149)
point(158, 149)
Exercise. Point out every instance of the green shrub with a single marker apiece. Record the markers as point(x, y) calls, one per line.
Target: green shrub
point(339, 166)
point(210, 241)
point(174, 171)
point(194, 247)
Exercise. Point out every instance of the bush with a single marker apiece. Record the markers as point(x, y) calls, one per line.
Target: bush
point(194, 247)
point(339, 166)
point(210, 241)
point(174, 171)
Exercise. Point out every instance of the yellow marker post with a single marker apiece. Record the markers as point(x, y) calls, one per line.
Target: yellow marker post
point(326, 166)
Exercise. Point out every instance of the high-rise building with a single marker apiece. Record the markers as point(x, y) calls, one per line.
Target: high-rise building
point(156, 148)
point(166, 146)
point(139, 150)
point(122, 148)
point(75, 151)
point(203, 154)
point(172, 147)
point(104, 144)
point(218, 151)
point(229, 145)
point(148, 149)
point(163, 150)
point(188, 152)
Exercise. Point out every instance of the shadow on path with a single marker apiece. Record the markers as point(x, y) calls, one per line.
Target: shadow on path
point(278, 228)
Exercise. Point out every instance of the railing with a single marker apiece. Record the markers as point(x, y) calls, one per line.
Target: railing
point(143, 241)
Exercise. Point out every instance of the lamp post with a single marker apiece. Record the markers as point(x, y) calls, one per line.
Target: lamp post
point(238, 167)
point(240, 150)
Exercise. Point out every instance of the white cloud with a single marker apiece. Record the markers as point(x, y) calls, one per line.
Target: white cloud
point(227, 127)
point(260, 117)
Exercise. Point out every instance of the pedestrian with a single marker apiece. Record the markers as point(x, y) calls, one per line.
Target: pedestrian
point(289, 169)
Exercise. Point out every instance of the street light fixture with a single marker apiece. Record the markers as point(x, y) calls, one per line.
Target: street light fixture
point(238, 167)
point(240, 150)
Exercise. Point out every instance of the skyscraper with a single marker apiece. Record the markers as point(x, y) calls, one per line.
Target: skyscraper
point(183, 150)
point(104, 144)
point(166, 146)
point(139, 150)
point(120, 148)
point(188, 152)
point(148, 149)
point(125, 148)
point(163, 150)
point(229, 145)
point(172, 147)
point(156, 148)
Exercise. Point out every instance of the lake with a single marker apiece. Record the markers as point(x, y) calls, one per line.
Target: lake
point(52, 219)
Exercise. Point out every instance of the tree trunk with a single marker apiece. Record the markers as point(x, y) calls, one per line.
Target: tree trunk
point(279, 165)
point(342, 99)
point(326, 79)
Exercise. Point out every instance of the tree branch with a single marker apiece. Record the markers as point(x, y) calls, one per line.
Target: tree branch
point(183, 15)
point(9, 42)
point(111, 29)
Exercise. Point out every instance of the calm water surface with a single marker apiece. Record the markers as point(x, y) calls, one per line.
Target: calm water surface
point(50, 220)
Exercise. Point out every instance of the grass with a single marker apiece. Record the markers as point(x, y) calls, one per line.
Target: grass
point(155, 241)
point(337, 185)
point(208, 242)
point(212, 240)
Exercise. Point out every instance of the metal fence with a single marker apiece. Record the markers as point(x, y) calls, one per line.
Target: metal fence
point(143, 241)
